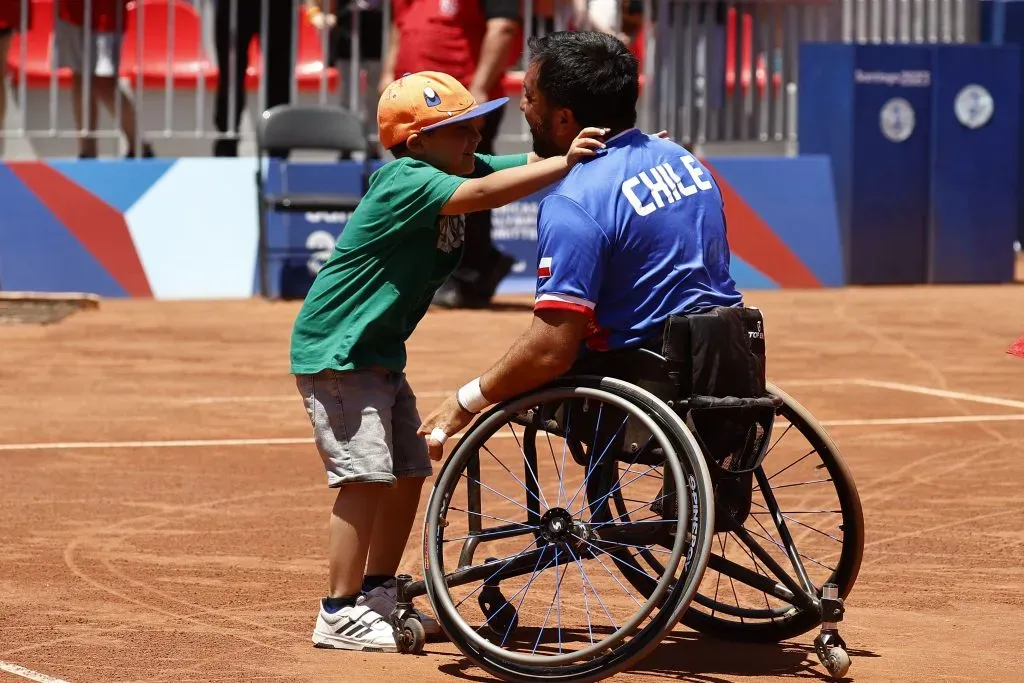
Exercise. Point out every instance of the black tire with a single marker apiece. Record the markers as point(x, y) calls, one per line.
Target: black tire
point(677, 594)
point(799, 621)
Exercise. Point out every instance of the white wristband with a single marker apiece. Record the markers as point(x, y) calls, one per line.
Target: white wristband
point(471, 398)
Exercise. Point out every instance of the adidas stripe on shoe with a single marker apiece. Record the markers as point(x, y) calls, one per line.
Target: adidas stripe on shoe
point(354, 628)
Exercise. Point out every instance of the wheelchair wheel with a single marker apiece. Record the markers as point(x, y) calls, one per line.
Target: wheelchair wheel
point(819, 535)
point(525, 577)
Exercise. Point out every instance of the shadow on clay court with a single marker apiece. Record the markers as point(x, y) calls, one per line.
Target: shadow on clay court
point(692, 657)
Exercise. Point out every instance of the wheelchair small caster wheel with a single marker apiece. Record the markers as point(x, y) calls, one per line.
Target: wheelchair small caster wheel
point(831, 651)
point(837, 662)
point(411, 637)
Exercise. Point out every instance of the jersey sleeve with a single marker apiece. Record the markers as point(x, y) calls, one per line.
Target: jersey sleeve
point(572, 252)
point(487, 164)
point(503, 9)
point(419, 191)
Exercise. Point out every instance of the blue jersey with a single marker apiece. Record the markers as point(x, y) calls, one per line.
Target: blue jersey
point(631, 237)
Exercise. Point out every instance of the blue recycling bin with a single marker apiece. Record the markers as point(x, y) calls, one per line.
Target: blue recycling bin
point(976, 163)
point(869, 108)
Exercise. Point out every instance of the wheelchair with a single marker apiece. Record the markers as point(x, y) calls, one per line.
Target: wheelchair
point(574, 526)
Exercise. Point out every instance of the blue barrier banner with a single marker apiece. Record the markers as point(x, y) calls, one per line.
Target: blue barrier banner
point(975, 163)
point(188, 228)
point(869, 108)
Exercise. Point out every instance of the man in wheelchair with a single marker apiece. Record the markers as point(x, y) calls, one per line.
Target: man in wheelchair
point(633, 279)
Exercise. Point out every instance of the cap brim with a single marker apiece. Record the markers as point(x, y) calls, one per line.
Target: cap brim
point(478, 111)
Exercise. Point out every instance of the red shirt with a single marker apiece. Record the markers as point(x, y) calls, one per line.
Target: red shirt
point(441, 35)
point(10, 14)
point(104, 14)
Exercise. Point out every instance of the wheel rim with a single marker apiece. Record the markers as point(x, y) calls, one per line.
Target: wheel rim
point(558, 516)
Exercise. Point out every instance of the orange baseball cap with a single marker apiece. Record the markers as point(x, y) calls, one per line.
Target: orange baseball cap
point(424, 101)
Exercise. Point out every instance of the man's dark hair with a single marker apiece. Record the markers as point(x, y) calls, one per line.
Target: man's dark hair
point(592, 74)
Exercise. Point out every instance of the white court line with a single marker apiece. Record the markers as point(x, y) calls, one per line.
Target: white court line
point(941, 393)
point(28, 673)
point(199, 443)
point(896, 421)
point(184, 443)
point(290, 398)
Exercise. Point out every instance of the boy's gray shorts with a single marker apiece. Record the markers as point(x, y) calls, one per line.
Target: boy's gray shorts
point(364, 424)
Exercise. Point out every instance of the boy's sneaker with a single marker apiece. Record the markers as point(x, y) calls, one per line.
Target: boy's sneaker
point(354, 628)
point(383, 599)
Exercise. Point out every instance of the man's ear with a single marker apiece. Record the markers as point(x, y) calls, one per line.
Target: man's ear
point(566, 123)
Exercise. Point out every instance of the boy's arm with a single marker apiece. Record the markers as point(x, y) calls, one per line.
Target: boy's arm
point(506, 186)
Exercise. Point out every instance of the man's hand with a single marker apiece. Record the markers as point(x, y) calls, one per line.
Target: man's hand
point(450, 418)
point(479, 95)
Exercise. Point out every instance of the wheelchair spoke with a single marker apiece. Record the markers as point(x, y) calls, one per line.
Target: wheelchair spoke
point(798, 522)
point(611, 574)
point(616, 487)
point(497, 493)
point(556, 597)
point(803, 483)
point(496, 519)
point(633, 545)
point(497, 571)
point(782, 547)
point(592, 467)
point(639, 507)
point(558, 472)
point(526, 461)
point(757, 568)
point(539, 500)
point(801, 596)
point(796, 462)
point(587, 582)
point(723, 542)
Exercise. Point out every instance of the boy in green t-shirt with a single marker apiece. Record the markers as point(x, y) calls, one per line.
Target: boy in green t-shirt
point(348, 344)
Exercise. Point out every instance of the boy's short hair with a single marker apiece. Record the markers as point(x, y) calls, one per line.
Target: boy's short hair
point(424, 101)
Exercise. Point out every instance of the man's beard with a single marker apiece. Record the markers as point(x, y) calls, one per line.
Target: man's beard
point(543, 144)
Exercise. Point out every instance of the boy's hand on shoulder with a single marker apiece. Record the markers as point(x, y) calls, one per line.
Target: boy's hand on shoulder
point(585, 145)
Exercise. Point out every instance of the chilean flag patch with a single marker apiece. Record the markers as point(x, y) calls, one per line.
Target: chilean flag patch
point(544, 267)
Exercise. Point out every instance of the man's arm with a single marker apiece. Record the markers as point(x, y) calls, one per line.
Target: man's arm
point(387, 71)
point(503, 18)
point(545, 351)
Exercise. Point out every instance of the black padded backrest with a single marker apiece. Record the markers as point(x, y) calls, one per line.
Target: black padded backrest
point(288, 127)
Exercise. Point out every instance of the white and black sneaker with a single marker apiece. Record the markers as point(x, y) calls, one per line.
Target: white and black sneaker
point(383, 599)
point(354, 628)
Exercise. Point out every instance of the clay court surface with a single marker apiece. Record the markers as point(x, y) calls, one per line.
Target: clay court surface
point(141, 539)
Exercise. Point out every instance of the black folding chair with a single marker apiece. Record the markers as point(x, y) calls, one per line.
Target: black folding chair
point(287, 128)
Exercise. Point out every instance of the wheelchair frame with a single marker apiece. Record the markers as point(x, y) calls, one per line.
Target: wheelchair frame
point(822, 606)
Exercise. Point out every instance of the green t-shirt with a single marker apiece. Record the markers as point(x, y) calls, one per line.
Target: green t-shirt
point(393, 254)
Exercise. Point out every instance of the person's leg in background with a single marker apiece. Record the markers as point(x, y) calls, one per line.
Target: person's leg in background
point(69, 43)
point(277, 53)
point(5, 45)
point(370, 47)
point(231, 83)
point(106, 48)
point(483, 266)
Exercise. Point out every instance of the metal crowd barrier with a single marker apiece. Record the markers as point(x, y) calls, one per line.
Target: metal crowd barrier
point(714, 71)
